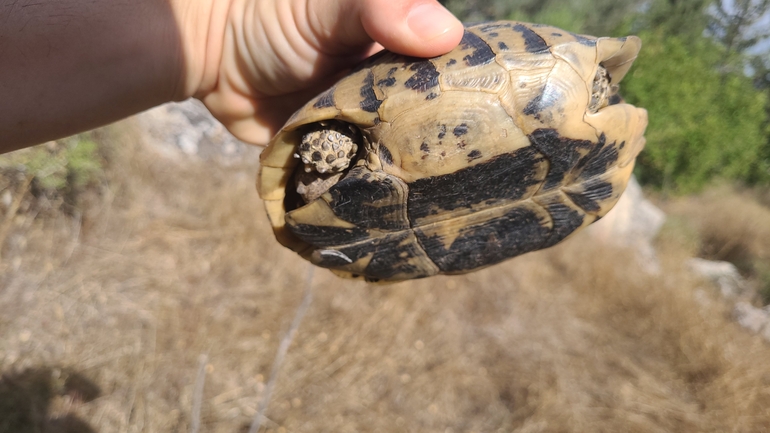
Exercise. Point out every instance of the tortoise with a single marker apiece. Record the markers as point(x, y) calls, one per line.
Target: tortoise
point(411, 167)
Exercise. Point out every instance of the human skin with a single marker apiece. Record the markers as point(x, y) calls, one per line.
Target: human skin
point(71, 65)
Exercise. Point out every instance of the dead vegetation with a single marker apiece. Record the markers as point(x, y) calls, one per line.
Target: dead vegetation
point(177, 261)
point(730, 224)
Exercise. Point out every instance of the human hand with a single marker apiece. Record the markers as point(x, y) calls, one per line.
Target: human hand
point(72, 65)
point(277, 54)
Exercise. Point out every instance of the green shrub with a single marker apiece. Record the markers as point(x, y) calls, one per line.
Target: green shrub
point(704, 124)
point(63, 167)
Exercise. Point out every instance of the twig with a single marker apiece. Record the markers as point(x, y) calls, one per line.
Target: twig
point(256, 423)
point(77, 225)
point(5, 227)
point(195, 416)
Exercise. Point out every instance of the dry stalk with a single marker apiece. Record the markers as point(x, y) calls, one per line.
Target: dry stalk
point(256, 423)
point(197, 400)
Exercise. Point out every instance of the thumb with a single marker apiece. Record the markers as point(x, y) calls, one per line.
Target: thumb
point(421, 28)
point(412, 27)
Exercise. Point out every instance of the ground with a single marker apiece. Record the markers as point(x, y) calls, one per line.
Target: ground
point(107, 314)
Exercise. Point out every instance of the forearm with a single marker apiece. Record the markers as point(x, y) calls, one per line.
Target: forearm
point(71, 65)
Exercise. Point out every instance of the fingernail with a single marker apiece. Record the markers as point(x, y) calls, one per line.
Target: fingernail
point(430, 20)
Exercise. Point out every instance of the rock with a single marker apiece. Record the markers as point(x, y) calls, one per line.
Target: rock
point(734, 288)
point(766, 332)
point(6, 199)
point(633, 222)
point(723, 274)
point(187, 128)
point(757, 320)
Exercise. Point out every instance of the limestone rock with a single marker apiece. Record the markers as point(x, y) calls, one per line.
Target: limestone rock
point(756, 320)
point(633, 222)
point(187, 128)
point(723, 274)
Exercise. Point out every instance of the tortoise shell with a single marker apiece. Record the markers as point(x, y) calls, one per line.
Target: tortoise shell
point(507, 144)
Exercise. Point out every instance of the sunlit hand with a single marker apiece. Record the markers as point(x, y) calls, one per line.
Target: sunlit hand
point(277, 54)
point(72, 65)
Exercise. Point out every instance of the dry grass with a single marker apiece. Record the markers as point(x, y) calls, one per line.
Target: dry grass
point(179, 261)
point(733, 225)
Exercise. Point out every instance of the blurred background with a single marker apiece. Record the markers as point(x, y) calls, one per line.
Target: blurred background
point(141, 289)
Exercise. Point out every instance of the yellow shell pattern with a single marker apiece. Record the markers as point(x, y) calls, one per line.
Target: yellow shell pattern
point(490, 151)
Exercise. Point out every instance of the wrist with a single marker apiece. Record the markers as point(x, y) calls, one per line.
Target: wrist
point(202, 25)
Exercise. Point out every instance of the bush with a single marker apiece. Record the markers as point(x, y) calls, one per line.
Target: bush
point(703, 124)
point(62, 168)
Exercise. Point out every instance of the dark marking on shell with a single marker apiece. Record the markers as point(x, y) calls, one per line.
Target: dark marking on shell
point(474, 154)
point(441, 131)
point(425, 76)
point(369, 103)
point(583, 202)
point(462, 144)
point(598, 160)
point(493, 34)
point(430, 96)
point(518, 231)
point(563, 154)
point(390, 80)
point(558, 35)
point(489, 27)
point(376, 58)
point(387, 82)
point(594, 191)
point(622, 145)
point(367, 202)
point(385, 262)
point(565, 221)
point(354, 199)
point(482, 53)
point(533, 42)
point(460, 130)
point(589, 42)
point(324, 236)
point(424, 147)
point(504, 177)
point(326, 99)
point(546, 99)
point(502, 46)
point(451, 62)
point(385, 155)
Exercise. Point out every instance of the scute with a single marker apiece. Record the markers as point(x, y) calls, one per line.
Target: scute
point(483, 238)
point(467, 159)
